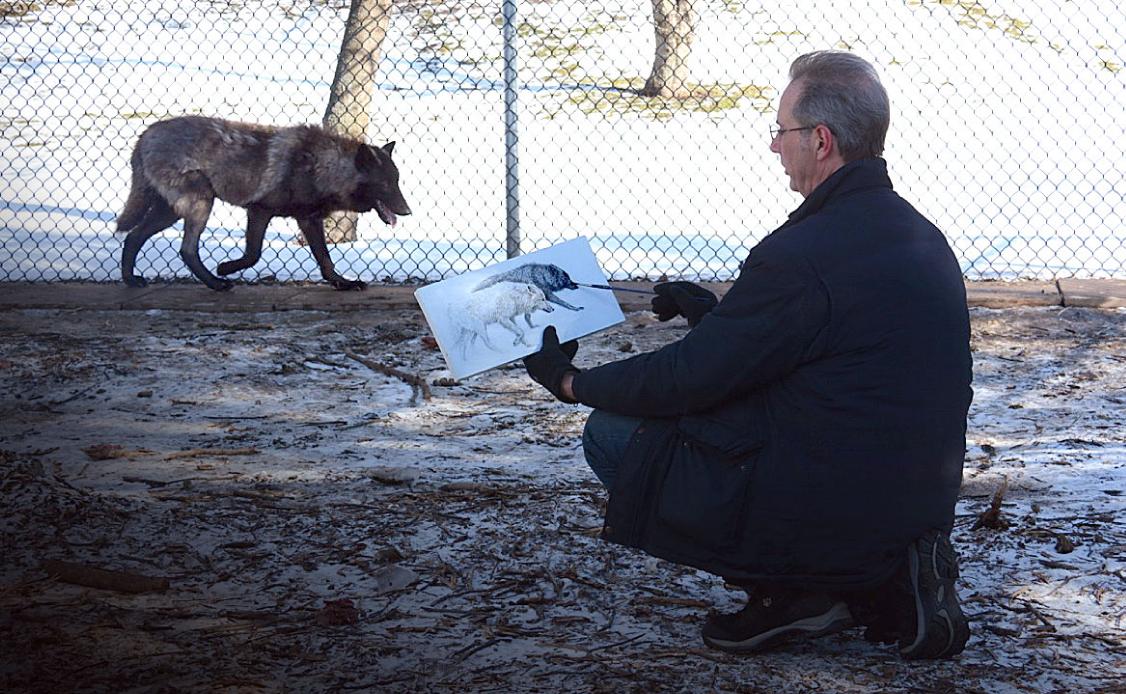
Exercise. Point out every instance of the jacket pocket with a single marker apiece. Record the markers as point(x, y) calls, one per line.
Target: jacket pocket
point(704, 495)
point(733, 431)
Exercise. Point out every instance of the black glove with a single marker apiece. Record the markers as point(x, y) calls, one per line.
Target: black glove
point(682, 299)
point(548, 366)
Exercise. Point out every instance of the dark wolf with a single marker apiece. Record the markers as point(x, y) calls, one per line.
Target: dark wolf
point(181, 165)
point(549, 278)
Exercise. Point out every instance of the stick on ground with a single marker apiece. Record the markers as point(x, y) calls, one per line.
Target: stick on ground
point(93, 577)
point(393, 372)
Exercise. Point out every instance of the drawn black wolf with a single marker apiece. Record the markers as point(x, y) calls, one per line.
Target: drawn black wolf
point(181, 165)
point(549, 278)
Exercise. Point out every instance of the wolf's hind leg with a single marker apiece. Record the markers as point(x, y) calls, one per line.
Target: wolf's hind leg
point(256, 222)
point(156, 218)
point(314, 230)
point(196, 210)
point(466, 339)
point(484, 336)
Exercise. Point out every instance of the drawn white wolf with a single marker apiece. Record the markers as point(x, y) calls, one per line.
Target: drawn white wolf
point(501, 303)
point(181, 165)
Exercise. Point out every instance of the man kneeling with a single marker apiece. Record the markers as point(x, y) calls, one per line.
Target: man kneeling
point(805, 438)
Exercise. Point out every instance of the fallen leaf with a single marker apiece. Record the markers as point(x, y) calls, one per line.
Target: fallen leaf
point(337, 613)
point(991, 518)
point(104, 451)
point(1064, 545)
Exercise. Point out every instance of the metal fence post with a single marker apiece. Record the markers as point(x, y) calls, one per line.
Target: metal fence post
point(511, 140)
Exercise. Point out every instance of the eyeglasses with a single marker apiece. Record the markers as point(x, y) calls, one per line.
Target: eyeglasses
point(775, 131)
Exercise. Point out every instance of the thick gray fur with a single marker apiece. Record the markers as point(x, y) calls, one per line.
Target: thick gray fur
point(182, 165)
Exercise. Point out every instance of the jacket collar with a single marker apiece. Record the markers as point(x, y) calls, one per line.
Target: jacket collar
point(853, 176)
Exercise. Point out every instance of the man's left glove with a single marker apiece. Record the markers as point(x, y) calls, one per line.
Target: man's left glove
point(548, 366)
point(682, 299)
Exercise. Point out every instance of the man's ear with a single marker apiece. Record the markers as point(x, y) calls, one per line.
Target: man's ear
point(826, 142)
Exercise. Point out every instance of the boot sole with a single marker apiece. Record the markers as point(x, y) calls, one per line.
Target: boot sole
point(941, 630)
point(835, 619)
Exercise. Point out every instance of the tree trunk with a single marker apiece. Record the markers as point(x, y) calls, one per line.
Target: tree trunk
point(351, 92)
point(674, 22)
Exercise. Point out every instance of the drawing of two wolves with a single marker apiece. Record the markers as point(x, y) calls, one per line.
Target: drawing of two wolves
point(501, 298)
point(498, 303)
point(182, 165)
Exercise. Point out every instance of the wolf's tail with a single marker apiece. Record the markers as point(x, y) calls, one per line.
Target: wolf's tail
point(137, 202)
point(487, 282)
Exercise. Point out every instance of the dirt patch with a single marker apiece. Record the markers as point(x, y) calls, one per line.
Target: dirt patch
point(324, 526)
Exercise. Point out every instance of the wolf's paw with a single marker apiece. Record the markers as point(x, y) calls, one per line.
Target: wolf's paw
point(221, 285)
point(348, 285)
point(135, 281)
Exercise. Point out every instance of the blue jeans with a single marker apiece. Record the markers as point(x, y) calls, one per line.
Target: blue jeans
point(605, 439)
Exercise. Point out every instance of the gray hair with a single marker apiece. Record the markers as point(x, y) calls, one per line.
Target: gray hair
point(843, 92)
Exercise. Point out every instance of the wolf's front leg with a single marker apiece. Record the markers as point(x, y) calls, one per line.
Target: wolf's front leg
point(509, 323)
point(256, 222)
point(553, 298)
point(314, 230)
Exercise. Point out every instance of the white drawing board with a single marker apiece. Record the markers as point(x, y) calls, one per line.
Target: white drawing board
point(489, 317)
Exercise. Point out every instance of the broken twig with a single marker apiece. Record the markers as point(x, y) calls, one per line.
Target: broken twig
point(410, 379)
point(213, 452)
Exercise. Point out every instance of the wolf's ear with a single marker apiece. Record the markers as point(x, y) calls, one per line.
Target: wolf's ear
point(389, 147)
point(366, 159)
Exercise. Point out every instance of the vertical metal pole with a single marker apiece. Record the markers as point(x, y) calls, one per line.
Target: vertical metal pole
point(511, 141)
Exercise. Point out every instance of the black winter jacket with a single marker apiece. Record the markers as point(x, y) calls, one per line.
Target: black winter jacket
point(814, 422)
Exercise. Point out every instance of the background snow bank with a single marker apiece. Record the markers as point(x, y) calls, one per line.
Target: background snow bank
point(1006, 129)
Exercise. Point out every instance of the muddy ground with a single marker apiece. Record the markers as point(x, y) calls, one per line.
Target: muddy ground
point(310, 523)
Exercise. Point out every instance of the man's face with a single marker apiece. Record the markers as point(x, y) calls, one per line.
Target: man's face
point(795, 147)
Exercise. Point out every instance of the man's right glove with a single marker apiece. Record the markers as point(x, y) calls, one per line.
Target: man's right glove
point(548, 366)
point(682, 299)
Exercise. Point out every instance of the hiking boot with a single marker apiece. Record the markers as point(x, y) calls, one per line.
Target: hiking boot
point(875, 610)
point(934, 626)
point(774, 617)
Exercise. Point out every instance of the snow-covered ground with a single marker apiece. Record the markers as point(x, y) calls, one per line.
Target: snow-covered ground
point(325, 527)
point(1007, 128)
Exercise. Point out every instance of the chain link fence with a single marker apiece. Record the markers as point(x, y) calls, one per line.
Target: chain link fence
point(640, 124)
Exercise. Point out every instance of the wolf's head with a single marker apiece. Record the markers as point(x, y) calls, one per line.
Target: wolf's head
point(558, 278)
point(378, 185)
point(532, 298)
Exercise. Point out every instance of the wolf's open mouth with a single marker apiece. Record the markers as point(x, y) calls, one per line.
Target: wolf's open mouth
point(385, 213)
